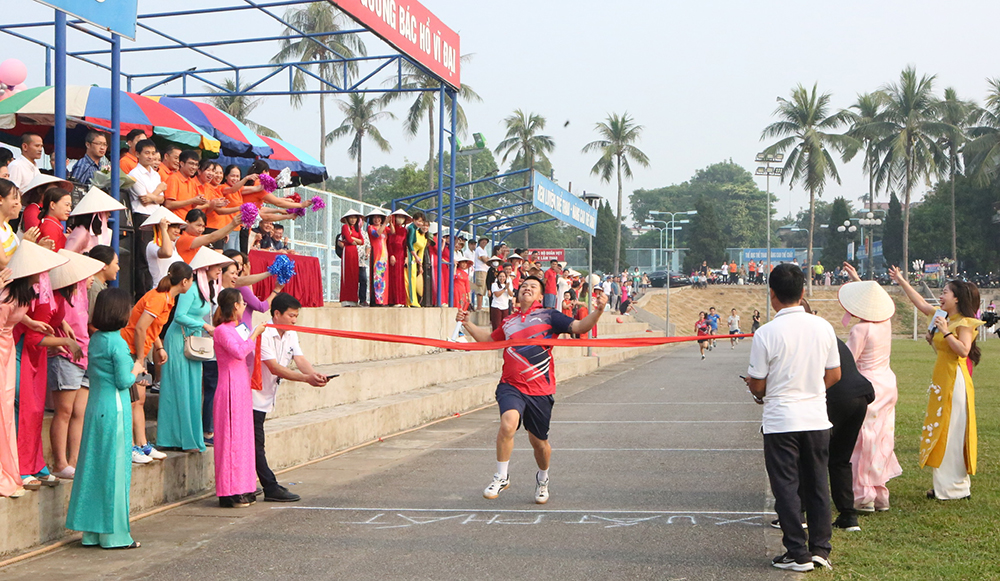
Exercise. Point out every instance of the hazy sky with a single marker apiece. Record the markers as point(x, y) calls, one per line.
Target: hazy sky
point(701, 77)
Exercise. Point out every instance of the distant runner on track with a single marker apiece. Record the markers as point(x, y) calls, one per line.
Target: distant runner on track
point(527, 381)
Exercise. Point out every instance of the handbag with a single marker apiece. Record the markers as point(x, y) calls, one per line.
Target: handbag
point(198, 348)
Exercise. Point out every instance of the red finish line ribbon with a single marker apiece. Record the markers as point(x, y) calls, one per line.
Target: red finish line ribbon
point(493, 345)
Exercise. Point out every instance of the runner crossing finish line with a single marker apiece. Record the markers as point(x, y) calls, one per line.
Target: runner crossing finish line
point(527, 380)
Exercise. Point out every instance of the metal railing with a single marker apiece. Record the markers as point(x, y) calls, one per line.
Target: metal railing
point(315, 234)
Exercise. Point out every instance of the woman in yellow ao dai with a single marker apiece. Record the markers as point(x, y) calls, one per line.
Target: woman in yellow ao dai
point(948, 438)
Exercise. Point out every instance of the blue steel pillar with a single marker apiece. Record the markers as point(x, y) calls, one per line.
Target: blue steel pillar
point(115, 140)
point(451, 194)
point(60, 96)
point(440, 196)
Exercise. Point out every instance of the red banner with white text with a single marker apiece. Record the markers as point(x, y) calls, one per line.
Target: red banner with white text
point(413, 30)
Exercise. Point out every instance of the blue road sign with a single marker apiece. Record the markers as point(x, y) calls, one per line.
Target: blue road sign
point(559, 203)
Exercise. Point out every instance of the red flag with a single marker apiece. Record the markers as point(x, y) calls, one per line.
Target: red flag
point(257, 380)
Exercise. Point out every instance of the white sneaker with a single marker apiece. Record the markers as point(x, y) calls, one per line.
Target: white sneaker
point(493, 490)
point(821, 562)
point(542, 492)
point(138, 457)
point(152, 452)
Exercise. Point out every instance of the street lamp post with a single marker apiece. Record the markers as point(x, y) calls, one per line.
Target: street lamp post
point(767, 171)
point(670, 224)
point(661, 243)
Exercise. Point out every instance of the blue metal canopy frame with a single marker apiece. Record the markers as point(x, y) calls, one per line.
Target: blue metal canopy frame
point(259, 74)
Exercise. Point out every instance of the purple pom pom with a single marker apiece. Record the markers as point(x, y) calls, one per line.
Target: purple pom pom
point(318, 203)
point(283, 268)
point(268, 183)
point(299, 212)
point(248, 213)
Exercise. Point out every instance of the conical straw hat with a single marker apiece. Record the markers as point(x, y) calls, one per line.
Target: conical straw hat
point(206, 257)
point(78, 267)
point(867, 300)
point(47, 180)
point(159, 214)
point(343, 218)
point(30, 258)
point(375, 212)
point(96, 201)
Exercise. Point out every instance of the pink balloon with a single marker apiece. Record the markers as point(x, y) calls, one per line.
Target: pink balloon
point(13, 72)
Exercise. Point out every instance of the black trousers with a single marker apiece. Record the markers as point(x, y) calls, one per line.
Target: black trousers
point(846, 417)
point(209, 381)
point(267, 479)
point(797, 464)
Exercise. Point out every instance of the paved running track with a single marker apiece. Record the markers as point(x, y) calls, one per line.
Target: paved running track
point(657, 473)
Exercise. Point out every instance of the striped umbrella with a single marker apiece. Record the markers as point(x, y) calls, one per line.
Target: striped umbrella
point(306, 167)
point(92, 106)
point(236, 138)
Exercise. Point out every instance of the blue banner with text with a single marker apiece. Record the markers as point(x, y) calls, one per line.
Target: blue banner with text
point(559, 203)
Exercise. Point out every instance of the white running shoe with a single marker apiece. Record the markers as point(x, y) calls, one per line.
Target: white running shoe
point(542, 492)
point(152, 452)
point(138, 457)
point(493, 490)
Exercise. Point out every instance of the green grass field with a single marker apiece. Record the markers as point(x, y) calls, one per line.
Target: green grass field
point(925, 539)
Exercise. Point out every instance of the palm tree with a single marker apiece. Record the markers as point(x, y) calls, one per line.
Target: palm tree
point(982, 152)
point(910, 127)
point(957, 115)
point(618, 133)
point(360, 116)
point(239, 106)
point(426, 105)
point(524, 142)
point(804, 126)
point(319, 18)
point(862, 117)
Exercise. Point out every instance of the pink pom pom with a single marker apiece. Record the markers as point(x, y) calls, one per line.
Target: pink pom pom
point(299, 212)
point(318, 203)
point(248, 213)
point(268, 183)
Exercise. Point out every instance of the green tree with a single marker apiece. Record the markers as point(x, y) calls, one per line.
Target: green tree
point(979, 245)
point(835, 246)
point(911, 130)
point(239, 106)
point(425, 105)
point(524, 141)
point(529, 148)
point(605, 259)
point(360, 116)
point(705, 242)
point(325, 21)
point(957, 115)
point(982, 153)
point(804, 126)
point(892, 237)
point(618, 134)
point(863, 117)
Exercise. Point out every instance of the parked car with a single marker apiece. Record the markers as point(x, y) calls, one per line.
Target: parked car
point(658, 279)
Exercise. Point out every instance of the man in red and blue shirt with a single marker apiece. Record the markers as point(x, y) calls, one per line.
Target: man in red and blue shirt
point(527, 381)
point(550, 299)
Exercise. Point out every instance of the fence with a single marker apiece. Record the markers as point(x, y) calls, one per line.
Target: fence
point(315, 234)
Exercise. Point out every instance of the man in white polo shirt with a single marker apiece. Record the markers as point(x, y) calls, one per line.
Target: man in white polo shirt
point(793, 360)
point(278, 348)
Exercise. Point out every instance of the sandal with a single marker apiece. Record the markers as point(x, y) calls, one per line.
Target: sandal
point(17, 493)
point(30, 483)
point(134, 545)
point(48, 480)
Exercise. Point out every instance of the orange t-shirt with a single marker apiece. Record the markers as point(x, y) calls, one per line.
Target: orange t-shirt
point(183, 247)
point(235, 200)
point(128, 162)
point(155, 303)
point(181, 188)
point(165, 172)
point(214, 220)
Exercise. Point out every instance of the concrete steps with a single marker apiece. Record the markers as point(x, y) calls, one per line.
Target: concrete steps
point(370, 399)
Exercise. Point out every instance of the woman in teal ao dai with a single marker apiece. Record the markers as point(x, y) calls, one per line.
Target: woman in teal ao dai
point(179, 416)
point(99, 504)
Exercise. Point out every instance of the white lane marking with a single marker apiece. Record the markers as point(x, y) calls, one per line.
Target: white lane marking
point(524, 510)
point(658, 403)
point(612, 449)
point(654, 421)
